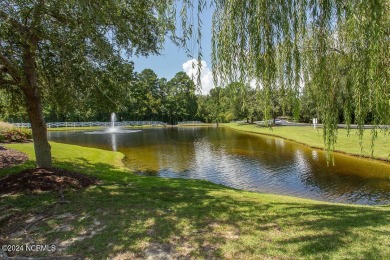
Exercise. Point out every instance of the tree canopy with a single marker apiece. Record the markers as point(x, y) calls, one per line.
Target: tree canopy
point(72, 48)
point(152, 98)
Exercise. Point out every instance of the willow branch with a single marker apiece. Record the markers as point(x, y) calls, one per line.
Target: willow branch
point(312, 49)
point(337, 50)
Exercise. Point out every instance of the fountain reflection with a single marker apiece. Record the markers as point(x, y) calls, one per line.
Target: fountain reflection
point(114, 143)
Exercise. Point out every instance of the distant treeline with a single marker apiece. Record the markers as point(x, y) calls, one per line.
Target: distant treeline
point(144, 96)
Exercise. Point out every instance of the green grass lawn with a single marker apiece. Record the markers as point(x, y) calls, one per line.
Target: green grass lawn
point(313, 137)
point(129, 216)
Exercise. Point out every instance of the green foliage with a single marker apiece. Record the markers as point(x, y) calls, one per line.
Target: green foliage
point(339, 50)
point(11, 106)
point(170, 101)
point(104, 91)
point(143, 100)
point(236, 101)
point(181, 99)
point(77, 42)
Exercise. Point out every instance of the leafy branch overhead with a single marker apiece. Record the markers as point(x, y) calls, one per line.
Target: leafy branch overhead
point(55, 48)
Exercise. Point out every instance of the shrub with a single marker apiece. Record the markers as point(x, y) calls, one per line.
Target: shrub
point(10, 133)
point(6, 126)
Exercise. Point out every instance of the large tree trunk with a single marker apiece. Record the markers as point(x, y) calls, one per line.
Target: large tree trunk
point(38, 125)
point(34, 109)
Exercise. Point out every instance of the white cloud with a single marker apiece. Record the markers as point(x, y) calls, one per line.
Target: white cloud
point(190, 67)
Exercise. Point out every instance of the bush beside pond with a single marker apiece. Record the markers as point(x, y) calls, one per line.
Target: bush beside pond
point(10, 133)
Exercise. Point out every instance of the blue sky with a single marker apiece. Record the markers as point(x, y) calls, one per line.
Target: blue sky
point(173, 59)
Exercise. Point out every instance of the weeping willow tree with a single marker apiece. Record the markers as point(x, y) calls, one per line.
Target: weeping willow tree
point(335, 47)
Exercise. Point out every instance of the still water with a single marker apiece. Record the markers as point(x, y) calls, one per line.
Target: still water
point(244, 161)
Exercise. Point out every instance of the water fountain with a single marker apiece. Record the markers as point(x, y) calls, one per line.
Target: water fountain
point(113, 120)
point(113, 129)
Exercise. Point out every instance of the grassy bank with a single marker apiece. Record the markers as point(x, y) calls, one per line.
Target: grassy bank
point(130, 216)
point(313, 138)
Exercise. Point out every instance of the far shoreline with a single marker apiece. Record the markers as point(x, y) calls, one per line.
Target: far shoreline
point(237, 128)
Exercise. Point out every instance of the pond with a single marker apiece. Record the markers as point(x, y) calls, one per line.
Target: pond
point(244, 161)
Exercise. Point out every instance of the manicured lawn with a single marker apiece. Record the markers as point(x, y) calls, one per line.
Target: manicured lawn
point(129, 216)
point(313, 138)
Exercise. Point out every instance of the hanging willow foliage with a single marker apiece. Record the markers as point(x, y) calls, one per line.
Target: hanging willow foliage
point(337, 48)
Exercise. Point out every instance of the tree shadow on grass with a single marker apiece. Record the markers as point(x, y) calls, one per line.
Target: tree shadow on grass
point(336, 227)
point(180, 214)
point(136, 216)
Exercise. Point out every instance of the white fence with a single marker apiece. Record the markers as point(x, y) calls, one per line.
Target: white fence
point(85, 124)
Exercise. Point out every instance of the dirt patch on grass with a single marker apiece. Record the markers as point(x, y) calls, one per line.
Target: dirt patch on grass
point(10, 157)
point(159, 251)
point(44, 179)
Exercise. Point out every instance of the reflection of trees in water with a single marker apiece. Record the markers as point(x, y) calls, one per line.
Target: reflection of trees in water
point(271, 152)
point(248, 162)
point(348, 180)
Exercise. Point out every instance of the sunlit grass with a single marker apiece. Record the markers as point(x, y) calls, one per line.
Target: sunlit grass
point(346, 142)
point(129, 215)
